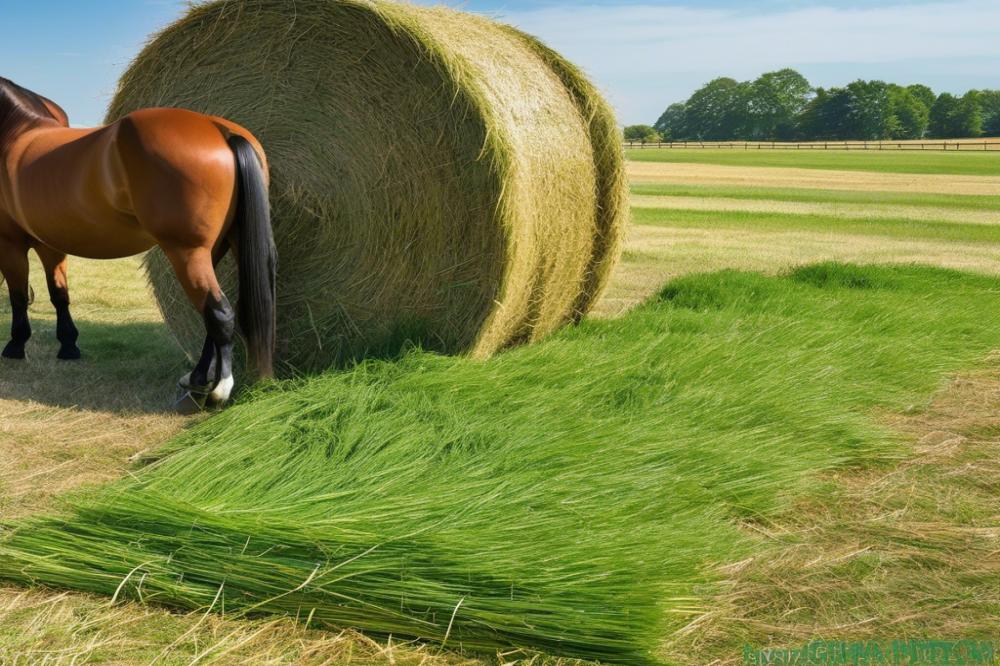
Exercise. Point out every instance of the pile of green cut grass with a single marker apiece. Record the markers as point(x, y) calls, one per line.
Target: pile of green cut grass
point(968, 163)
point(571, 497)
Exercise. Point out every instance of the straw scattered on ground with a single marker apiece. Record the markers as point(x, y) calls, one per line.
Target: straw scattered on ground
point(713, 174)
point(908, 551)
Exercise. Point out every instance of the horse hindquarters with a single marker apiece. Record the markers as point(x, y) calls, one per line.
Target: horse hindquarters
point(253, 244)
point(182, 185)
point(194, 181)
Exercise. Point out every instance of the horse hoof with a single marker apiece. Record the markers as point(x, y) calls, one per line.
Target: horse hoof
point(190, 404)
point(13, 352)
point(220, 394)
point(69, 353)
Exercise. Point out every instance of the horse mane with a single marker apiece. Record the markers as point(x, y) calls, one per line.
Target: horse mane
point(19, 107)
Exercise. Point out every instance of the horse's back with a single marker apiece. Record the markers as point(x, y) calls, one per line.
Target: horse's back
point(71, 194)
point(157, 175)
point(181, 172)
point(182, 137)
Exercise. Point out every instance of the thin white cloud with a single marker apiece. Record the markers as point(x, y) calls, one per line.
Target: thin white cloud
point(646, 56)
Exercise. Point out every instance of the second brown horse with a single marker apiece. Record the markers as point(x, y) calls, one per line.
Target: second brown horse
point(195, 185)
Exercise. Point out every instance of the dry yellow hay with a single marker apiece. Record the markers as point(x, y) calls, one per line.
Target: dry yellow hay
point(823, 179)
point(436, 177)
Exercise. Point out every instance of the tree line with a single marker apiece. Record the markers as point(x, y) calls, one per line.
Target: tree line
point(784, 106)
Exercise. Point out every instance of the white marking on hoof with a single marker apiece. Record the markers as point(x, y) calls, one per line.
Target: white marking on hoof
point(185, 381)
point(220, 394)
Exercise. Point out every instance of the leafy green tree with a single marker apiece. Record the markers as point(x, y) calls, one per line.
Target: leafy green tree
point(870, 111)
point(775, 99)
point(641, 134)
point(956, 117)
point(909, 114)
point(970, 114)
point(861, 110)
point(719, 110)
point(989, 103)
point(811, 123)
point(781, 105)
point(828, 116)
point(924, 94)
point(942, 116)
point(672, 124)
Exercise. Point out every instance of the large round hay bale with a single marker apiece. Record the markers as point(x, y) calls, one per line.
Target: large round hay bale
point(436, 177)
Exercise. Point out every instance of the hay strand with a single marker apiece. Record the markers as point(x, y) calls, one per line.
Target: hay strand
point(437, 178)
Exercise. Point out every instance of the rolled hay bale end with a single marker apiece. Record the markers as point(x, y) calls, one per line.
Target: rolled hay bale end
point(436, 177)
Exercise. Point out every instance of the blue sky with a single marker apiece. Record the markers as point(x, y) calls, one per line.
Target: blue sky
point(644, 54)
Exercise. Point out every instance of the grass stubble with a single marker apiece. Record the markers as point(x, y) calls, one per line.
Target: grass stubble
point(702, 174)
point(893, 552)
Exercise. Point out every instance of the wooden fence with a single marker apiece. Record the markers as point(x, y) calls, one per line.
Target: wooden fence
point(963, 145)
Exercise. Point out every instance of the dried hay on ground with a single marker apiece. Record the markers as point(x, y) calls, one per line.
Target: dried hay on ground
point(712, 174)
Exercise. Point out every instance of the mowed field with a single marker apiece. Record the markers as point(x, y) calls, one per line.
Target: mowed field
point(699, 210)
point(898, 544)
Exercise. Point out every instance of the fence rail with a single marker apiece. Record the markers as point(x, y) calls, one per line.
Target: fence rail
point(969, 145)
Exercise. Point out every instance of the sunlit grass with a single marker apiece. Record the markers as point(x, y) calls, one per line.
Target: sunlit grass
point(823, 224)
point(805, 195)
point(567, 497)
point(927, 162)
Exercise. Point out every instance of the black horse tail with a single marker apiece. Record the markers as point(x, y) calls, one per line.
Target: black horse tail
point(256, 257)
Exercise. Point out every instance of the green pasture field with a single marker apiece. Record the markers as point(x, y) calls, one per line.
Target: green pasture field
point(806, 195)
point(925, 162)
point(823, 224)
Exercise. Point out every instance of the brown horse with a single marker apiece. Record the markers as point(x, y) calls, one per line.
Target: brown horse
point(193, 184)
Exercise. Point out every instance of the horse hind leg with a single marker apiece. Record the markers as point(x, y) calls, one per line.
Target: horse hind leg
point(211, 380)
point(55, 276)
point(223, 322)
point(14, 266)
